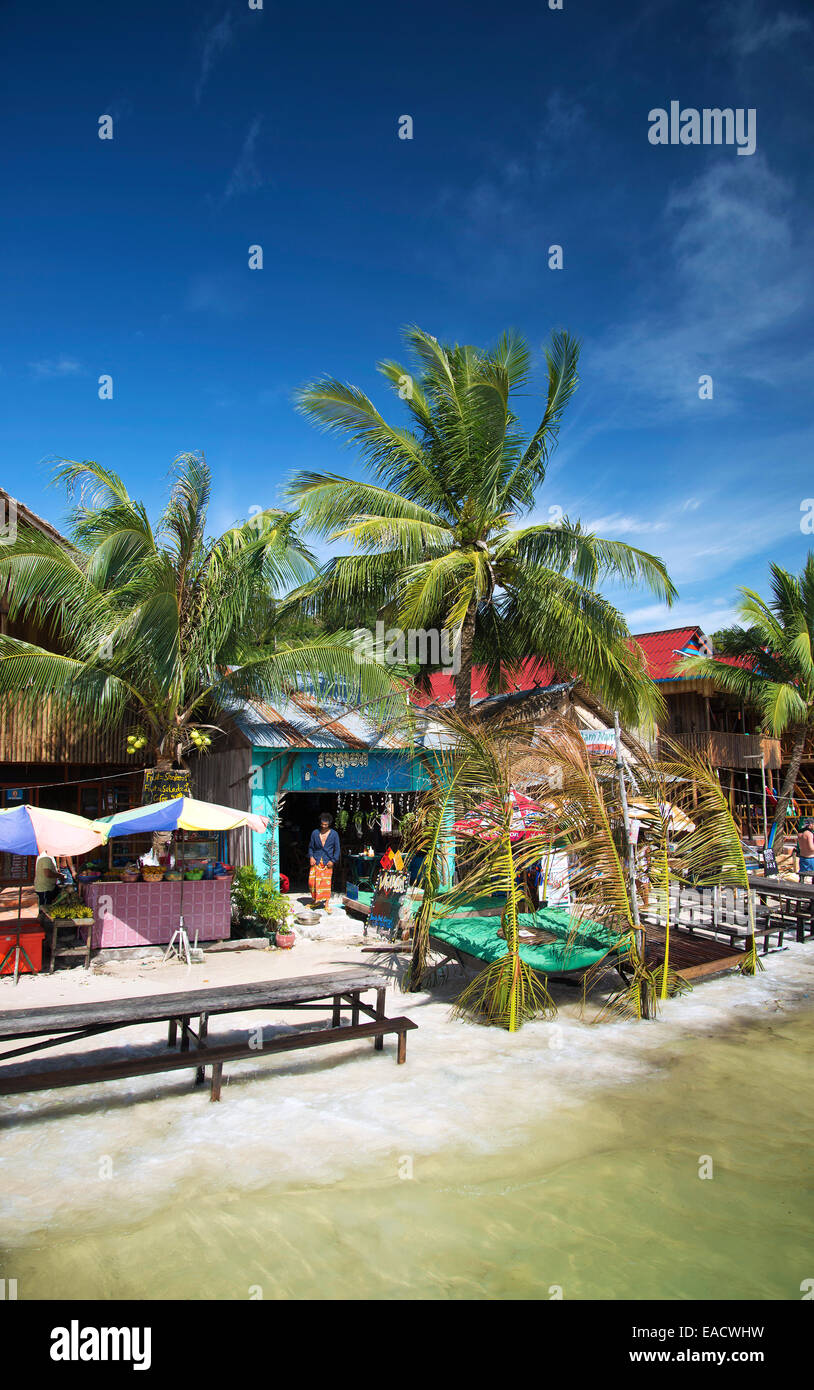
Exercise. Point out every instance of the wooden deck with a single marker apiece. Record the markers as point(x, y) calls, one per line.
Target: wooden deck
point(692, 956)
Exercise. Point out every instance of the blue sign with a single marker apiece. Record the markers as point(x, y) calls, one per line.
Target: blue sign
point(354, 770)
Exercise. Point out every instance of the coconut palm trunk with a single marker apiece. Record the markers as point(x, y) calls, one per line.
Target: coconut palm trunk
point(463, 680)
point(786, 796)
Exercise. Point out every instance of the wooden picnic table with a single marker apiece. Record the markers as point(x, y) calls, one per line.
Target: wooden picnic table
point(801, 895)
point(338, 991)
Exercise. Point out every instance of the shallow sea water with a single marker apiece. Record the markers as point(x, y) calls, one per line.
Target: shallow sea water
point(564, 1159)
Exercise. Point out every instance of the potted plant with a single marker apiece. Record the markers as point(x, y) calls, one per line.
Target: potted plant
point(272, 908)
point(284, 936)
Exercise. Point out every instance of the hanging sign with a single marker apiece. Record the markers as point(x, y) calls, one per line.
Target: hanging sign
point(600, 741)
point(555, 886)
point(161, 785)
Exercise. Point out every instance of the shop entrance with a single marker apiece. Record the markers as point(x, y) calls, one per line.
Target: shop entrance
point(363, 820)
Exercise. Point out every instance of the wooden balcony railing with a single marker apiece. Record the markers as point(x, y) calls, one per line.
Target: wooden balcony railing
point(740, 751)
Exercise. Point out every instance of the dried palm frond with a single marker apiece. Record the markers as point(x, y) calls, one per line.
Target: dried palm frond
point(478, 770)
point(713, 852)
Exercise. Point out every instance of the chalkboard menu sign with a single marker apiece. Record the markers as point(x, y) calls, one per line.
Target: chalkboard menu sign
point(388, 896)
point(161, 785)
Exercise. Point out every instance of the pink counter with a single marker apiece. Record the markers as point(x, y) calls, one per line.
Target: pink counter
point(146, 914)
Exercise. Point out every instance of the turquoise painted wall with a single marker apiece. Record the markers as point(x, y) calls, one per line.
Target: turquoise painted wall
point(333, 770)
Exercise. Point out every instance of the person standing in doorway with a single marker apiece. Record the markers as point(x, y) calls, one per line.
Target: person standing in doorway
point(323, 853)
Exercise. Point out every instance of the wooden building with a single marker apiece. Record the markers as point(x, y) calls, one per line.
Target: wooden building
point(712, 723)
point(703, 719)
point(48, 757)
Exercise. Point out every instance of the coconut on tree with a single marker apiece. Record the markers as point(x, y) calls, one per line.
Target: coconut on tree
point(443, 534)
point(767, 660)
point(164, 627)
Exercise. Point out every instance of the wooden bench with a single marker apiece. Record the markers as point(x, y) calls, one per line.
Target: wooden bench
point(338, 991)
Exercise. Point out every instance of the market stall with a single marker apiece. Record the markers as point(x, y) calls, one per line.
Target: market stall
point(27, 831)
point(147, 914)
point(145, 904)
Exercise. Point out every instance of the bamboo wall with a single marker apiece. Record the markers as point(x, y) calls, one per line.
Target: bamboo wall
point(45, 734)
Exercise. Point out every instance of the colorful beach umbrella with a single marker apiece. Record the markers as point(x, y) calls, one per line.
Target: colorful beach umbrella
point(181, 813)
point(36, 830)
point(527, 819)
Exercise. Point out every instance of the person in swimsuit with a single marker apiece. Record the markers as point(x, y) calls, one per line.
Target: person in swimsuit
point(805, 849)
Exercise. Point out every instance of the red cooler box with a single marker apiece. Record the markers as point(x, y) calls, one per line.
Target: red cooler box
point(31, 939)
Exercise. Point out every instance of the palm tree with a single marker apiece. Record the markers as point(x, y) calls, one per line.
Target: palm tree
point(774, 651)
point(433, 533)
point(164, 626)
point(477, 768)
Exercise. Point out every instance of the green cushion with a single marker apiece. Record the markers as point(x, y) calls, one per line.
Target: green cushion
point(478, 935)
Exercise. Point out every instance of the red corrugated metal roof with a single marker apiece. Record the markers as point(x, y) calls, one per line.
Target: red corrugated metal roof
point(661, 651)
point(528, 676)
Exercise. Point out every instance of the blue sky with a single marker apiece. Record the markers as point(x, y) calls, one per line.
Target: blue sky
point(279, 127)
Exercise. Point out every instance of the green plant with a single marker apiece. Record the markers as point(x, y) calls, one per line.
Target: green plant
point(272, 906)
point(245, 890)
point(285, 929)
point(437, 534)
point(507, 992)
point(163, 624)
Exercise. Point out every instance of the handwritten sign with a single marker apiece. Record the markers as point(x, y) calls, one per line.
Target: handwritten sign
point(161, 785)
point(391, 885)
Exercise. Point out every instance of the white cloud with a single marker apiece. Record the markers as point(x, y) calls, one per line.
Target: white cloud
point(55, 366)
point(214, 41)
point(750, 29)
point(619, 524)
point(710, 614)
point(245, 176)
point(737, 276)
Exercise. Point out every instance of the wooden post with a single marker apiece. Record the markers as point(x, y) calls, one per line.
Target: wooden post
point(172, 1032)
point(402, 1052)
point(631, 863)
point(336, 1016)
point(217, 1075)
point(380, 995)
point(203, 1029)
